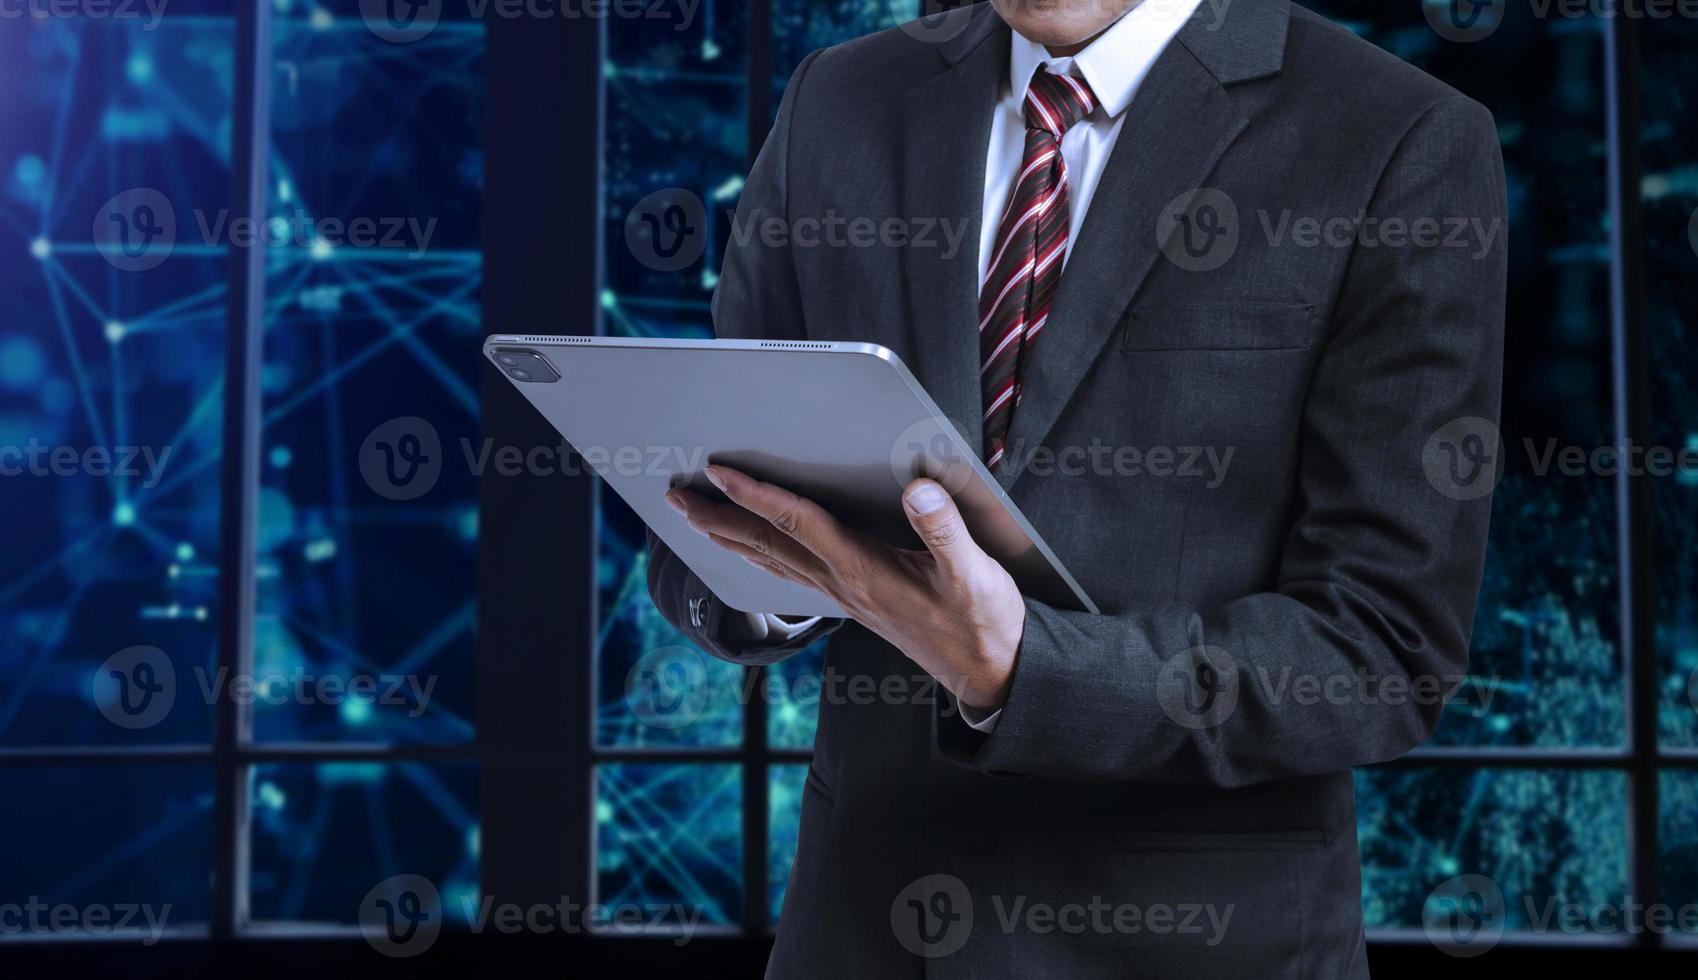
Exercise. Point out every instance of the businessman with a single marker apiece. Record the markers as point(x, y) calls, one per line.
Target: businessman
point(1221, 227)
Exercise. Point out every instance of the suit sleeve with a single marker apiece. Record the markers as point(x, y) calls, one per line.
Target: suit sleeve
point(1381, 569)
point(757, 297)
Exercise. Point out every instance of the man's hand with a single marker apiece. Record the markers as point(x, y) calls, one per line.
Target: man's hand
point(950, 608)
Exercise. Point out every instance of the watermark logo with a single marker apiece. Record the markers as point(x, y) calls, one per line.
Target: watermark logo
point(135, 687)
point(1465, 916)
point(36, 917)
point(936, 24)
point(933, 916)
point(1198, 230)
point(1464, 21)
point(1198, 689)
point(402, 458)
point(924, 449)
point(402, 915)
point(667, 230)
point(1464, 459)
point(668, 687)
point(401, 21)
point(135, 229)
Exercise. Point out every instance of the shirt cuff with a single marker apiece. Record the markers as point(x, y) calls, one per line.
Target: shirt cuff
point(986, 724)
point(771, 626)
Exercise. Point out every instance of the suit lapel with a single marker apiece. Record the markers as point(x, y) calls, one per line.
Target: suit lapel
point(946, 136)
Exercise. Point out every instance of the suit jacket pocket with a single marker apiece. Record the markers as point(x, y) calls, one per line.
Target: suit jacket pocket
point(1220, 327)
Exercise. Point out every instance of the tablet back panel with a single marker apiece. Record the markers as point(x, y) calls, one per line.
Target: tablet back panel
point(844, 424)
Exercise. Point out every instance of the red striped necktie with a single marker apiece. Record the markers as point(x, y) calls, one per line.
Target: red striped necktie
point(1031, 240)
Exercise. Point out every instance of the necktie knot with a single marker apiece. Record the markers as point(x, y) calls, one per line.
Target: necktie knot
point(1055, 102)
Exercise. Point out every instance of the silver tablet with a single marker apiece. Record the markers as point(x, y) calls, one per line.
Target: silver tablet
point(844, 424)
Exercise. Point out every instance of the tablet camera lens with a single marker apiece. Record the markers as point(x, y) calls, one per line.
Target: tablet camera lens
point(524, 364)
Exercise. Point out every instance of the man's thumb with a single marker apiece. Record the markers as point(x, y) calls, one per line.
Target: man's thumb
point(938, 523)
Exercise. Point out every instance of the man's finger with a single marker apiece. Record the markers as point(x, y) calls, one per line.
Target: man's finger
point(796, 516)
point(938, 522)
point(764, 562)
point(733, 523)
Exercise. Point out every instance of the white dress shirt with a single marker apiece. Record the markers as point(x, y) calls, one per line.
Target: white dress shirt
point(1114, 65)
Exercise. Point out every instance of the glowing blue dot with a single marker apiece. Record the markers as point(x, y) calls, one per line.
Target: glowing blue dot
point(603, 812)
point(320, 249)
point(281, 457)
point(321, 19)
point(115, 331)
point(356, 711)
point(139, 68)
point(185, 552)
point(285, 191)
point(608, 300)
point(41, 248)
point(1500, 723)
point(277, 229)
point(472, 842)
point(124, 514)
point(270, 796)
point(1447, 865)
point(29, 170)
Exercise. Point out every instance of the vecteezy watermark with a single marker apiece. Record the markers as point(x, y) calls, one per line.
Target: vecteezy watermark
point(1201, 688)
point(670, 688)
point(406, 21)
point(35, 458)
point(933, 917)
point(833, 230)
point(402, 916)
point(667, 230)
point(150, 12)
point(119, 920)
point(137, 687)
point(1466, 21)
point(1201, 230)
point(137, 229)
point(403, 458)
point(1198, 230)
point(1467, 915)
point(1464, 459)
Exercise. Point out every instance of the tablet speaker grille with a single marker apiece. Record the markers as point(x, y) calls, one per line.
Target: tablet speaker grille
point(797, 344)
point(555, 339)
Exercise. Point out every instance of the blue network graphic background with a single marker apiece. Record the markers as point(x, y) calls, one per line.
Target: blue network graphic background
point(354, 583)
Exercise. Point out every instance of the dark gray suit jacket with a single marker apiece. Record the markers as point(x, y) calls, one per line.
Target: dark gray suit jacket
point(1122, 819)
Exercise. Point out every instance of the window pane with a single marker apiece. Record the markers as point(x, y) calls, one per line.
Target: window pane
point(103, 839)
point(1545, 633)
point(1544, 840)
point(793, 694)
point(1679, 835)
point(800, 27)
point(110, 363)
point(326, 835)
point(368, 501)
point(1669, 62)
point(675, 124)
point(784, 796)
point(669, 839)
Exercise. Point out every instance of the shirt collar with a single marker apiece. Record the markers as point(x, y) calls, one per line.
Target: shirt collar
point(1114, 65)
